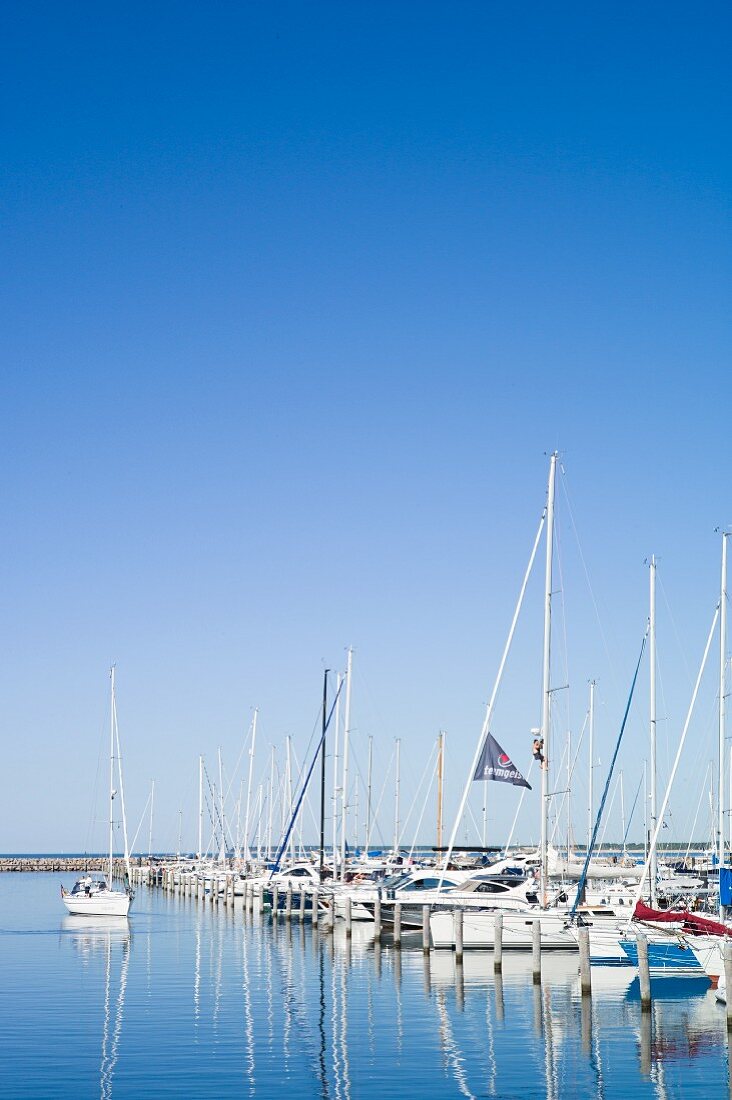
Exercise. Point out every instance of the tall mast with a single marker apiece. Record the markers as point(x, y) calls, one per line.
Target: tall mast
point(722, 685)
point(288, 787)
point(336, 767)
point(546, 685)
point(322, 774)
point(200, 807)
point(152, 803)
point(590, 791)
point(368, 794)
point(440, 766)
point(123, 815)
point(346, 745)
point(653, 868)
point(222, 852)
point(396, 795)
point(249, 781)
point(111, 779)
point(270, 807)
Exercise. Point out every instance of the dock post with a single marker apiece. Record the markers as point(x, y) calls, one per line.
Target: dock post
point(314, 903)
point(458, 919)
point(246, 896)
point(349, 916)
point(644, 973)
point(728, 981)
point(426, 929)
point(303, 895)
point(498, 943)
point(288, 902)
point(275, 900)
point(377, 919)
point(585, 968)
point(397, 924)
point(536, 951)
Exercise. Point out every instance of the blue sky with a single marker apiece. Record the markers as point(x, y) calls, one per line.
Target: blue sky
point(296, 299)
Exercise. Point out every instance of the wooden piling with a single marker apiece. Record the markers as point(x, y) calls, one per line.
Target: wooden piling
point(498, 943)
point(275, 900)
point(458, 919)
point(644, 973)
point(377, 919)
point(288, 902)
point(727, 954)
point(585, 968)
point(303, 896)
point(314, 903)
point(349, 916)
point(426, 929)
point(536, 951)
point(398, 924)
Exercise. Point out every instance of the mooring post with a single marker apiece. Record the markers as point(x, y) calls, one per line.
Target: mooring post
point(498, 943)
point(536, 951)
point(458, 918)
point(288, 902)
point(398, 924)
point(303, 895)
point(644, 973)
point(377, 919)
point(314, 903)
point(426, 929)
point(349, 916)
point(728, 981)
point(275, 900)
point(585, 968)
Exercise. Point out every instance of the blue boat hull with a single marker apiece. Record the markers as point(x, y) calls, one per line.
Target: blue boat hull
point(667, 958)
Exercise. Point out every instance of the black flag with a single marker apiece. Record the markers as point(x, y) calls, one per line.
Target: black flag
point(495, 764)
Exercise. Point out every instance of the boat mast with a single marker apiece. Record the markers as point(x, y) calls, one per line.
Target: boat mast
point(270, 807)
point(440, 775)
point(336, 767)
point(152, 803)
point(653, 868)
point(722, 678)
point(396, 795)
point(111, 779)
point(322, 774)
point(346, 745)
point(115, 729)
point(590, 792)
point(222, 852)
point(200, 806)
point(546, 686)
point(249, 781)
point(368, 794)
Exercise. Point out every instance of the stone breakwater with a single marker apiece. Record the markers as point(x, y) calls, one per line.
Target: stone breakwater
point(60, 863)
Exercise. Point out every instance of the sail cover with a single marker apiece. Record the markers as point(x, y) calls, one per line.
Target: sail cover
point(495, 764)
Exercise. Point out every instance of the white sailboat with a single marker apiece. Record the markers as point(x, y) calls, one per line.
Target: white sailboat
point(94, 895)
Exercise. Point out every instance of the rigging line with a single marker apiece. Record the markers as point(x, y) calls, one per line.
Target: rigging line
point(662, 812)
point(564, 482)
point(696, 815)
point(591, 845)
point(296, 811)
point(428, 792)
point(491, 703)
point(571, 771)
point(632, 811)
point(675, 629)
point(418, 792)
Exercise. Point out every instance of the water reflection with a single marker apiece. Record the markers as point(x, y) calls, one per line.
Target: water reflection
point(259, 1005)
point(110, 936)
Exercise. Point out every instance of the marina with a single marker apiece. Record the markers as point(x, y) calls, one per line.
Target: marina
point(209, 1000)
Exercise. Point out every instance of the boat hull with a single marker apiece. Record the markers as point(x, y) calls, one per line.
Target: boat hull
point(105, 903)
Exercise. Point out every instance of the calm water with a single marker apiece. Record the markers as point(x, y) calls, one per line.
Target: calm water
point(193, 1002)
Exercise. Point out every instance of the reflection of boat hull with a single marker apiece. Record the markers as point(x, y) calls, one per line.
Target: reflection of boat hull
point(103, 903)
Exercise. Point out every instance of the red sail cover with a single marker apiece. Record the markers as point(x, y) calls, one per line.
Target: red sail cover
point(691, 922)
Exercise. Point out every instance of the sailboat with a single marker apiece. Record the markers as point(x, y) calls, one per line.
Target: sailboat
point(94, 895)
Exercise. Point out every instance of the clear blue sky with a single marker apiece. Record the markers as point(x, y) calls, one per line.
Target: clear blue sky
point(295, 299)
